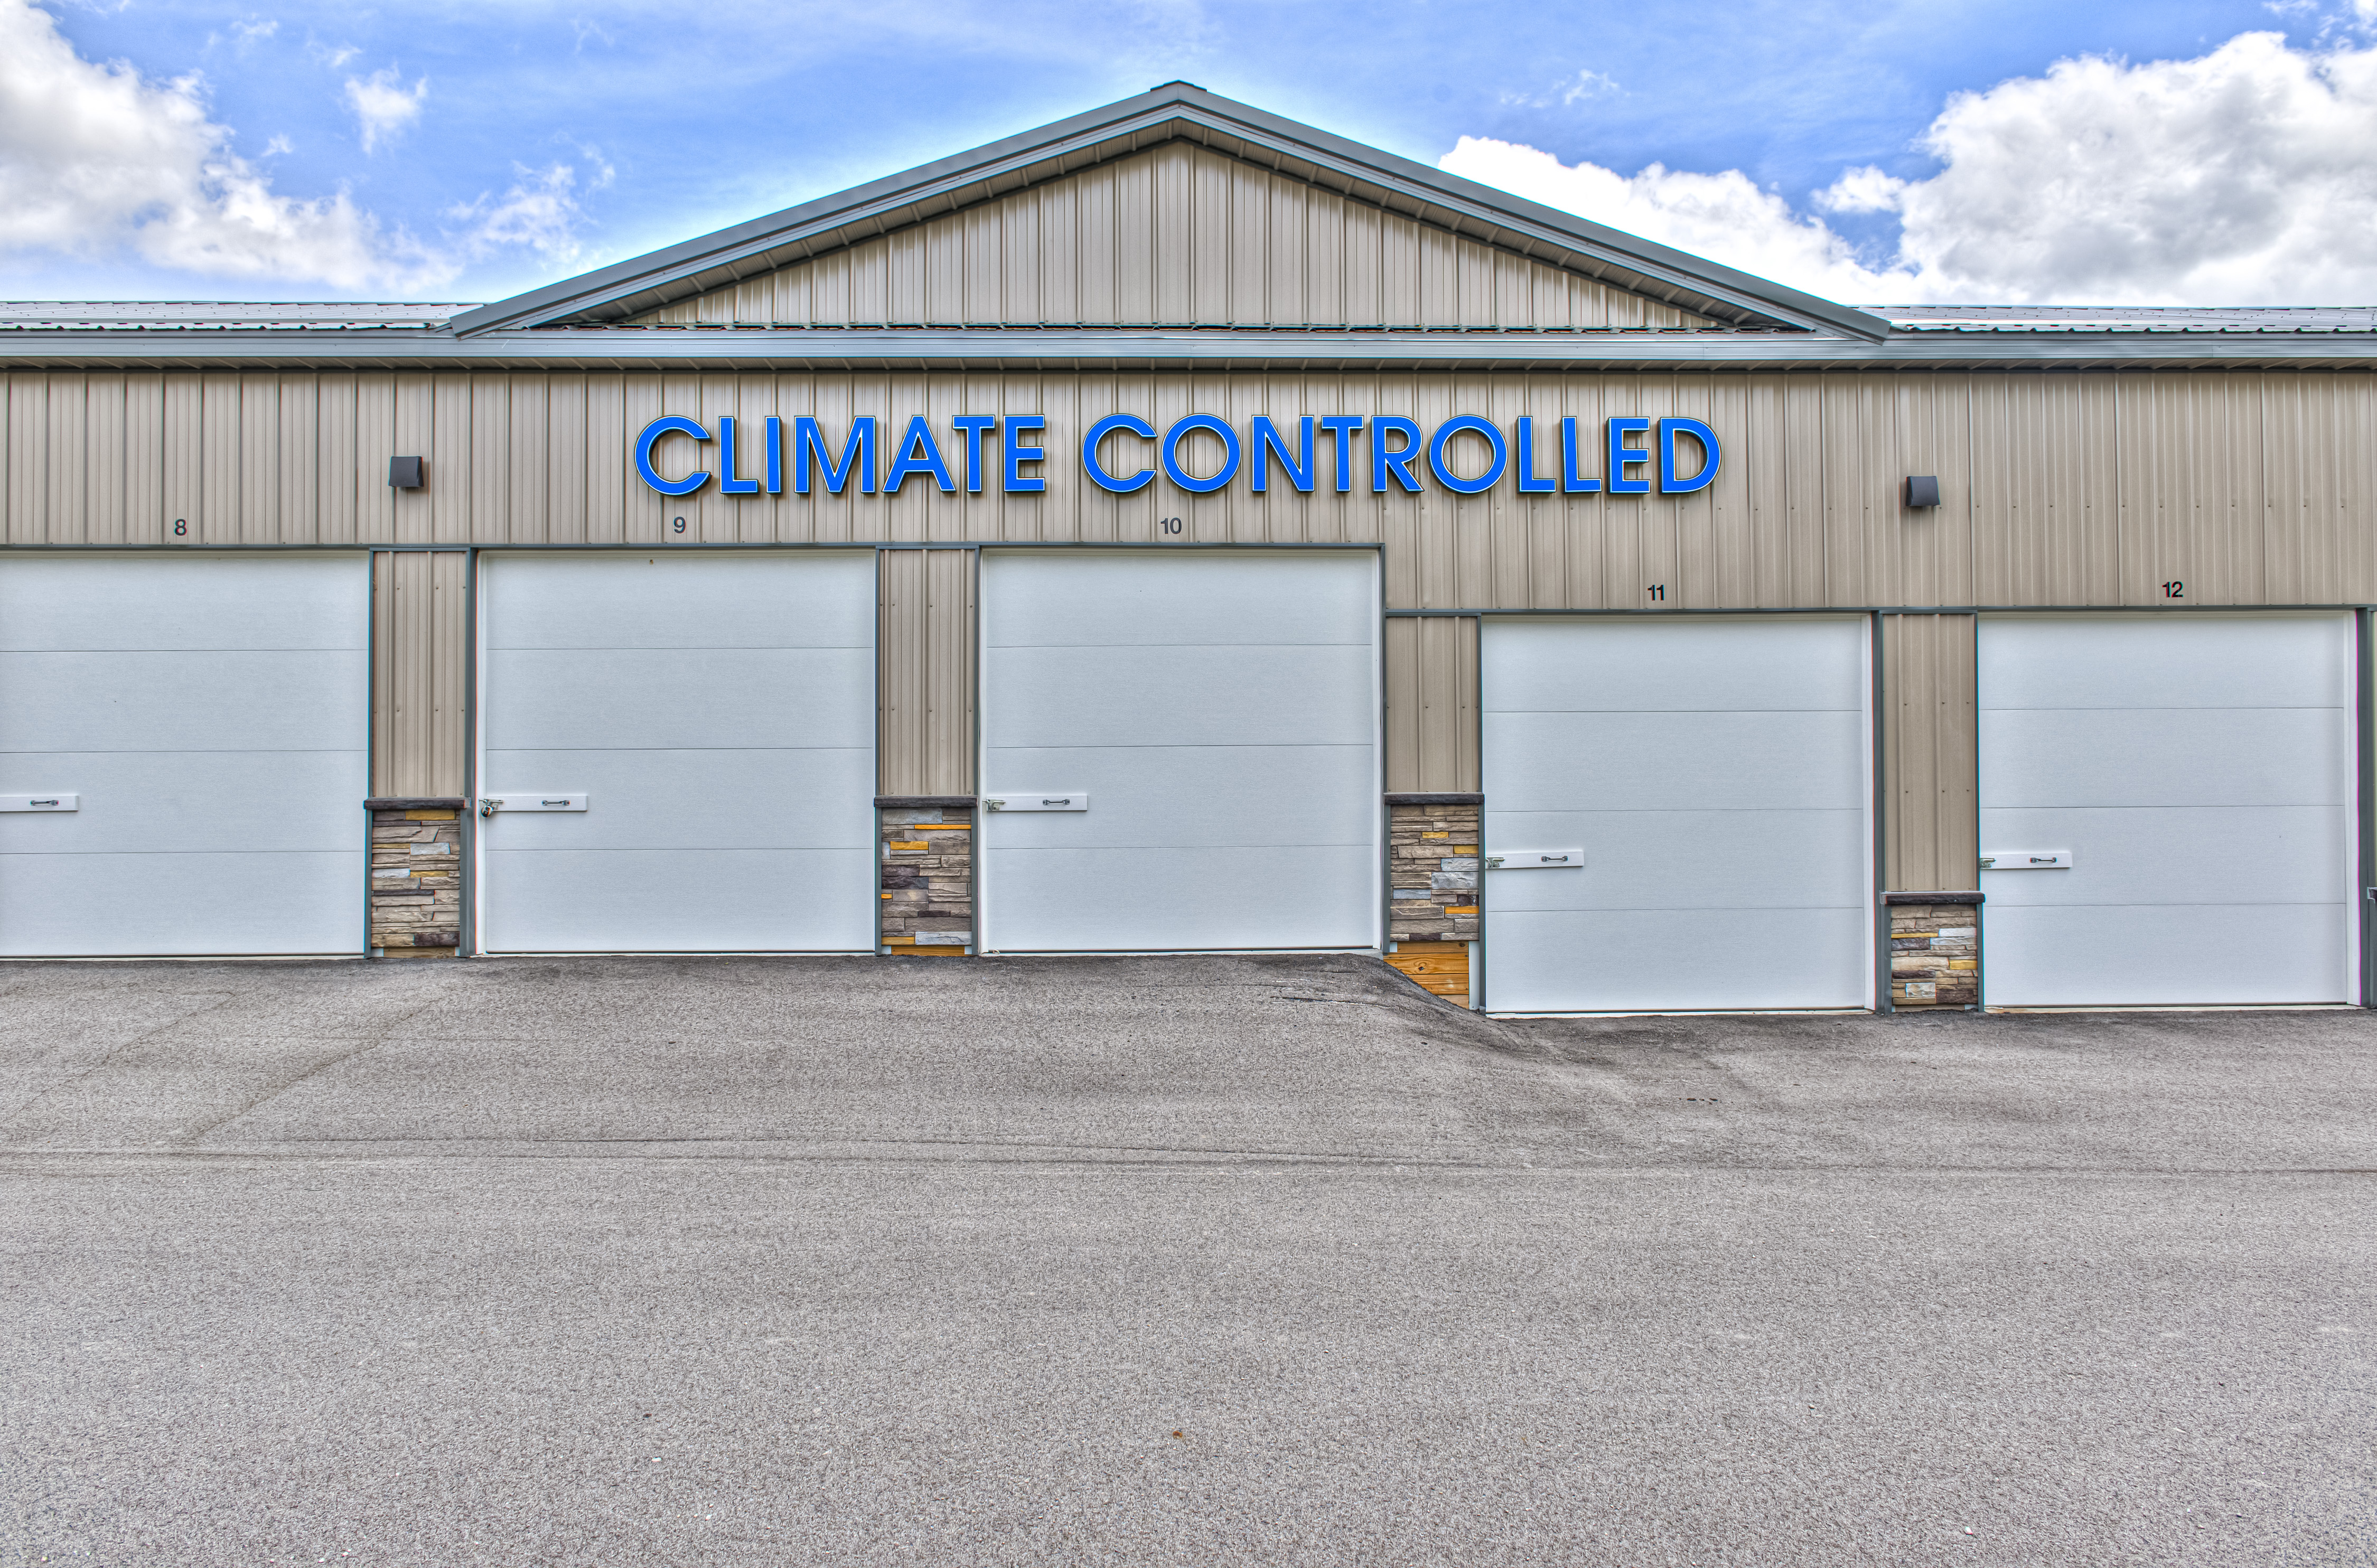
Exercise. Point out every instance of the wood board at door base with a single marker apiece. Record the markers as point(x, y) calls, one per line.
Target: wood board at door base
point(1441, 968)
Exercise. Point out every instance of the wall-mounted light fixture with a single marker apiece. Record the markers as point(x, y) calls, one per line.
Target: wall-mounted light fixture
point(1922, 490)
point(404, 473)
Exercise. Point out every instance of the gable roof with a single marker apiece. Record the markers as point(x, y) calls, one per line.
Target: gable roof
point(1176, 110)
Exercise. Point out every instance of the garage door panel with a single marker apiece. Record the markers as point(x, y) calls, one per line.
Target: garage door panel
point(138, 803)
point(2163, 662)
point(212, 712)
point(2200, 769)
point(612, 603)
point(1221, 710)
point(681, 901)
point(681, 698)
point(1712, 761)
point(1688, 666)
point(1713, 773)
point(184, 605)
point(1190, 601)
point(2168, 756)
point(1190, 795)
point(2169, 955)
point(1546, 961)
point(201, 701)
point(688, 800)
point(1176, 899)
point(2175, 855)
point(1715, 861)
point(718, 711)
point(103, 905)
point(1279, 695)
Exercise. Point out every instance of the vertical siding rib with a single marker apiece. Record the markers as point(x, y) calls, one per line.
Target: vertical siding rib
point(69, 455)
point(949, 671)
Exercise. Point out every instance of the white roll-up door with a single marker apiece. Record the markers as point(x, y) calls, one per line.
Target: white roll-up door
point(685, 748)
point(1693, 795)
point(1220, 711)
point(2195, 775)
point(184, 751)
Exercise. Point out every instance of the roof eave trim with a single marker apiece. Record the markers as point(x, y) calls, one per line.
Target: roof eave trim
point(1151, 112)
point(1277, 351)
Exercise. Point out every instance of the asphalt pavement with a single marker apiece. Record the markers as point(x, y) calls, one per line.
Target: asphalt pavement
point(1162, 1261)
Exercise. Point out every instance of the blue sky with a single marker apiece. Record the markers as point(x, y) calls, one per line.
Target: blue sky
point(672, 120)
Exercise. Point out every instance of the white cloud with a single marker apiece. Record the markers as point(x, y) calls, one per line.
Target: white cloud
point(256, 29)
point(540, 212)
point(383, 105)
point(1592, 84)
point(97, 161)
point(279, 146)
point(329, 58)
point(2248, 175)
point(1724, 217)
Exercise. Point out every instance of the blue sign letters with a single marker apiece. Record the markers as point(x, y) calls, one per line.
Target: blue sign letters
point(1122, 453)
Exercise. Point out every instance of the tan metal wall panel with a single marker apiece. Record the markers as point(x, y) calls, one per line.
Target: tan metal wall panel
point(257, 502)
point(951, 589)
point(2056, 489)
point(69, 452)
point(27, 487)
point(420, 616)
point(1931, 790)
point(144, 460)
point(103, 460)
point(1176, 235)
point(925, 648)
point(1431, 721)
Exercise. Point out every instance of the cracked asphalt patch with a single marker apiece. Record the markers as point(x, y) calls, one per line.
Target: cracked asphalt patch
point(1250, 1260)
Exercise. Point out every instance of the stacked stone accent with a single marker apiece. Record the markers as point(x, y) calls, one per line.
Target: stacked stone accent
point(927, 900)
point(1935, 949)
point(1433, 842)
point(416, 877)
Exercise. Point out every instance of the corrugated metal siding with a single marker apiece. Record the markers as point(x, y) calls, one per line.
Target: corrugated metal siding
point(1431, 667)
point(2058, 490)
point(1930, 749)
point(1178, 235)
point(420, 640)
point(925, 662)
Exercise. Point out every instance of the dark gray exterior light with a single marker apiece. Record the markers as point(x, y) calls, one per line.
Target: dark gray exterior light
point(1923, 490)
point(404, 473)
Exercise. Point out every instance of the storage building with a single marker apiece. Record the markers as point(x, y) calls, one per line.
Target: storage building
point(1182, 529)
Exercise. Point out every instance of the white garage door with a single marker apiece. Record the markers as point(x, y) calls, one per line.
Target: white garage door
point(1711, 777)
point(1220, 712)
point(716, 714)
point(2198, 773)
point(207, 718)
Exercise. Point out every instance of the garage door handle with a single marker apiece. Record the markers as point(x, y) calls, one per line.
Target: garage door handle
point(1074, 802)
point(41, 802)
point(490, 805)
point(1537, 860)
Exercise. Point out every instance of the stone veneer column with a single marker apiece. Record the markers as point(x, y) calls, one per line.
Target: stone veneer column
point(1935, 949)
point(1432, 874)
point(927, 870)
point(416, 876)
